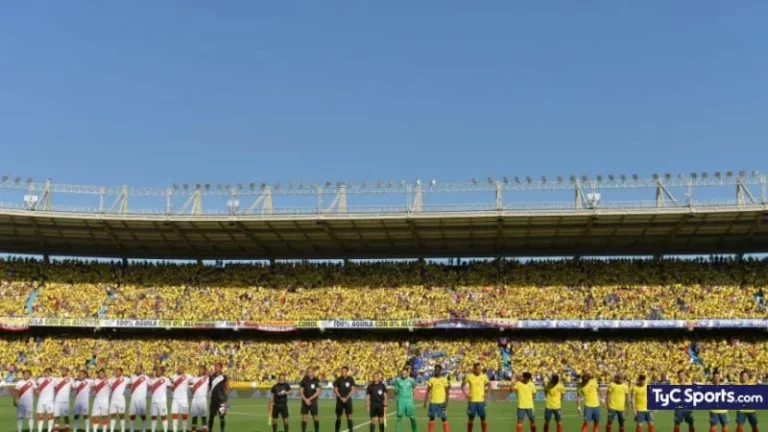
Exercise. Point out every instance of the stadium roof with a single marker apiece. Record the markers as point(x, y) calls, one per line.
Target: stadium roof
point(585, 232)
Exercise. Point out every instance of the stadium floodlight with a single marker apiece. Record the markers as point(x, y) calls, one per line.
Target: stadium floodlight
point(227, 186)
point(252, 185)
point(668, 176)
point(218, 186)
point(655, 176)
point(517, 179)
point(559, 179)
point(263, 186)
point(680, 176)
point(239, 186)
point(277, 186)
point(175, 186)
point(198, 186)
point(185, 186)
point(717, 174)
point(635, 177)
point(339, 183)
point(207, 186)
point(704, 175)
point(729, 174)
point(543, 179)
point(328, 184)
point(490, 180)
point(623, 178)
point(5, 178)
point(433, 182)
point(742, 173)
point(17, 180)
point(474, 181)
point(611, 177)
point(599, 177)
point(529, 179)
point(573, 178)
point(584, 178)
point(694, 175)
point(506, 179)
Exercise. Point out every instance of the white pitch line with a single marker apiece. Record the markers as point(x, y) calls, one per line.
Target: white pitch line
point(367, 423)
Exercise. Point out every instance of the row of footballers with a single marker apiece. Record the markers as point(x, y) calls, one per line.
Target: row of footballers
point(475, 388)
point(55, 394)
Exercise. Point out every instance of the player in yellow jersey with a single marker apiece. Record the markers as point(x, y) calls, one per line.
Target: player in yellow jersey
point(553, 392)
point(640, 405)
point(437, 395)
point(616, 402)
point(475, 387)
point(683, 415)
point(526, 391)
point(587, 395)
point(717, 416)
point(742, 416)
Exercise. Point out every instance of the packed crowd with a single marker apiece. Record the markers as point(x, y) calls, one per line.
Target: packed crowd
point(245, 360)
point(262, 361)
point(564, 289)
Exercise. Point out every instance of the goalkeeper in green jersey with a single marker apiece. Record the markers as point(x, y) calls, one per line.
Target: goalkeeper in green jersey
point(404, 386)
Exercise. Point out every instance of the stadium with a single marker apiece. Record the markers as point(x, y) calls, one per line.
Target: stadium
point(611, 275)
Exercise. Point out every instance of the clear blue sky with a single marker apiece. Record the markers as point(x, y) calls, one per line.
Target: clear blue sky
point(152, 92)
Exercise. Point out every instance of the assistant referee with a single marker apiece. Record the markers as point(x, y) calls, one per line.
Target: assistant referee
point(376, 399)
point(278, 402)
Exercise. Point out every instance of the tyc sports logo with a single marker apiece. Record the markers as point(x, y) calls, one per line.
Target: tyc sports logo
point(707, 397)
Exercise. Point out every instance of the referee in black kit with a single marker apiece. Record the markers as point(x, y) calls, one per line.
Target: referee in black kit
point(343, 388)
point(278, 403)
point(310, 390)
point(376, 398)
point(219, 385)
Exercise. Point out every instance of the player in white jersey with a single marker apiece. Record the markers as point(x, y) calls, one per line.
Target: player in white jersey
point(100, 409)
point(139, 382)
point(24, 399)
point(180, 402)
point(82, 387)
point(62, 390)
point(118, 382)
point(158, 386)
point(200, 398)
point(45, 400)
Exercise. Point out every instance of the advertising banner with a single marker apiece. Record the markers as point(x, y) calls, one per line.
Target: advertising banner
point(23, 323)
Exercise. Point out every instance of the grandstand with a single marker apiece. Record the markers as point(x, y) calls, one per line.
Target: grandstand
point(625, 315)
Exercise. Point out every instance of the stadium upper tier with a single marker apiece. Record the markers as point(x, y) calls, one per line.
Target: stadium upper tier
point(577, 216)
point(565, 289)
point(264, 360)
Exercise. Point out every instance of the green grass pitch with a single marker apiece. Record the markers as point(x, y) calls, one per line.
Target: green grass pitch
point(250, 415)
